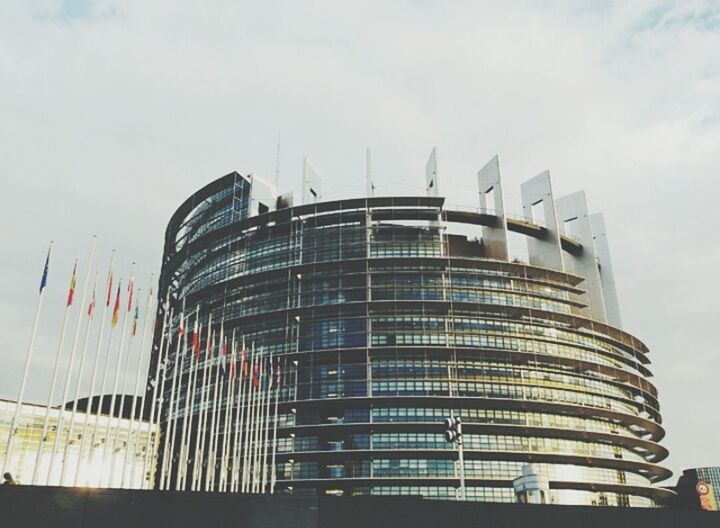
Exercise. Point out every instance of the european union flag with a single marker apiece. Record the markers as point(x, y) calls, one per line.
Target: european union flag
point(43, 281)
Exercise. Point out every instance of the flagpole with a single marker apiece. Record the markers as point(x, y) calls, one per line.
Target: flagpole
point(106, 371)
point(250, 397)
point(83, 357)
point(189, 392)
point(138, 373)
point(210, 475)
point(152, 444)
point(58, 355)
point(28, 357)
point(227, 428)
point(96, 365)
point(121, 392)
point(118, 368)
point(151, 441)
point(258, 425)
point(223, 393)
point(235, 442)
point(200, 437)
point(273, 475)
point(262, 453)
point(267, 426)
point(202, 414)
point(241, 404)
point(68, 377)
point(218, 387)
point(167, 463)
point(197, 339)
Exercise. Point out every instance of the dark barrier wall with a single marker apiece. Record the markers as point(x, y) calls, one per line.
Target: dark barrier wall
point(29, 507)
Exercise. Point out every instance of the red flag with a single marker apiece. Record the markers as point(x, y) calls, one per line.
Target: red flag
point(181, 327)
point(71, 292)
point(195, 340)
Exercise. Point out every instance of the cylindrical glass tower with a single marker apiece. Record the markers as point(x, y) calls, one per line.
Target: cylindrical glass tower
point(391, 315)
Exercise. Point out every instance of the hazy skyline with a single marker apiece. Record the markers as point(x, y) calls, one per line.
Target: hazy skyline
point(113, 112)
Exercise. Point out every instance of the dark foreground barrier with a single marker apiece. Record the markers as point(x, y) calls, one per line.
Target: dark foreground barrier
point(29, 507)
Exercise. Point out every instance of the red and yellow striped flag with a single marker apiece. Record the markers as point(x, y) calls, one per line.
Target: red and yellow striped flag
point(116, 309)
point(71, 292)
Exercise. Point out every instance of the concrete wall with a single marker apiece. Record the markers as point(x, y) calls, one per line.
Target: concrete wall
point(47, 507)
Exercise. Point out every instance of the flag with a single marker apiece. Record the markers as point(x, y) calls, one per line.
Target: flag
point(195, 341)
point(91, 306)
point(135, 319)
point(256, 375)
point(116, 309)
point(44, 279)
point(277, 372)
point(233, 367)
point(131, 287)
point(223, 353)
point(109, 291)
point(71, 291)
point(181, 326)
point(243, 364)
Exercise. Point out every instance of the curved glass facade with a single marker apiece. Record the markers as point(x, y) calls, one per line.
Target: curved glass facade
point(387, 328)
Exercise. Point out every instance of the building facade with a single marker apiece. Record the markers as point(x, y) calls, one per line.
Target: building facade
point(96, 462)
point(392, 313)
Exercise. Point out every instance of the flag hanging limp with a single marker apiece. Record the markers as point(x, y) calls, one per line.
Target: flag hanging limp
point(44, 279)
point(116, 308)
point(71, 291)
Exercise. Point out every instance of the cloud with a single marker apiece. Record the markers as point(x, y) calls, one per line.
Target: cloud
point(114, 112)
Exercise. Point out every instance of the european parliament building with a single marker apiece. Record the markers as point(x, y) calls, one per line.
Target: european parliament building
point(393, 313)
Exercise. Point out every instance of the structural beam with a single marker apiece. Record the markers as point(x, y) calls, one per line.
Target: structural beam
point(575, 221)
point(495, 237)
point(607, 279)
point(544, 251)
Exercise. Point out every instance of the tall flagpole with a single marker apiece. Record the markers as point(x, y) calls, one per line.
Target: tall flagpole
point(258, 426)
point(210, 474)
point(271, 375)
point(210, 459)
point(273, 475)
point(138, 374)
point(121, 391)
point(227, 427)
point(239, 421)
point(202, 414)
point(152, 444)
point(248, 425)
point(113, 396)
point(58, 355)
point(106, 368)
point(237, 426)
point(189, 400)
point(171, 424)
point(197, 466)
point(83, 357)
point(28, 357)
point(68, 377)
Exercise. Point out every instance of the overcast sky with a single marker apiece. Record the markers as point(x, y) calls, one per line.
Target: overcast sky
point(113, 112)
